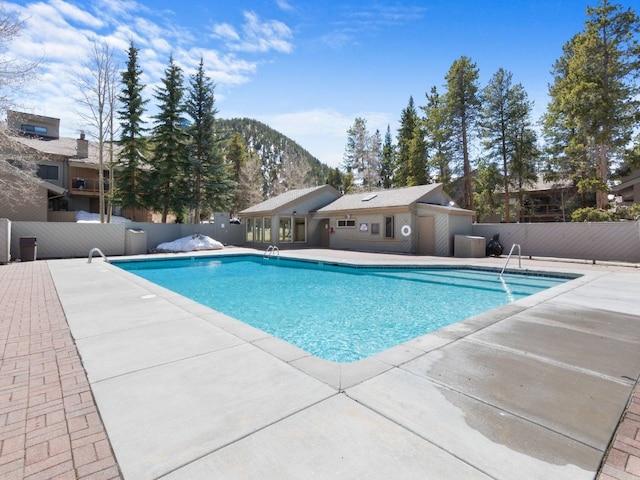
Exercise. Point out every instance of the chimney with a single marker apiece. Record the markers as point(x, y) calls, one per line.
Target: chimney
point(83, 146)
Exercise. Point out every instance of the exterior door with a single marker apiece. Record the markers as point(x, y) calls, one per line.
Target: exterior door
point(324, 233)
point(426, 236)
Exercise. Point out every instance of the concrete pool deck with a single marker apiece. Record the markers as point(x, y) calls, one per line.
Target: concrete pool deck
point(535, 389)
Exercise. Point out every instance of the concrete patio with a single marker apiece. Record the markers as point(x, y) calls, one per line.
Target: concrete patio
point(531, 390)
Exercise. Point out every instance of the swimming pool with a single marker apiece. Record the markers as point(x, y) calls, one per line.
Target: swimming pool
point(337, 312)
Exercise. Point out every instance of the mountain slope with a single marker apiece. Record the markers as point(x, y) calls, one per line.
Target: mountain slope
point(284, 163)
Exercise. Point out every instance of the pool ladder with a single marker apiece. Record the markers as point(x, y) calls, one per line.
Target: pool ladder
point(270, 251)
point(509, 258)
point(97, 250)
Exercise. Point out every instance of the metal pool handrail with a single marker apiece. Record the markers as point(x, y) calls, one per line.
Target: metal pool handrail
point(271, 249)
point(97, 250)
point(509, 258)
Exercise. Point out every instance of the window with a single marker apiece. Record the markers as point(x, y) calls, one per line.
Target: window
point(267, 230)
point(300, 229)
point(375, 229)
point(48, 172)
point(258, 229)
point(33, 129)
point(347, 223)
point(285, 229)
point(249, 229)
point(388, 227)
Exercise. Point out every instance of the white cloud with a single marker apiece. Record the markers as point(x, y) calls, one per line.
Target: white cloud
point(284, 5)
point(74, 13)
point(60, 35)
point(257, 36)
point(226, 32)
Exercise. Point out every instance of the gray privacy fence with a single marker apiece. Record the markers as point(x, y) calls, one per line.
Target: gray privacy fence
point(69, 240)
point(606, 241)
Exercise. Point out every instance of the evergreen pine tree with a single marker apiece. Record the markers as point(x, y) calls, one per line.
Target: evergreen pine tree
point(463, 105)
point(505, 122)
point(210, 182)
point(408, 121)
point(437, 130)
point(334, 178)
point(132, 190)
point(418, 158)
point(170, 161)
point(594, 98)
point(388, 161)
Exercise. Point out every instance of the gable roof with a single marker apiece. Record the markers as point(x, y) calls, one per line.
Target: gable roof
point(289, 198)
point(66, 147)
point(398, 197)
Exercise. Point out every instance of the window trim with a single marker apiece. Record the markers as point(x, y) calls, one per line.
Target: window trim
point(389, 227)
point(48, 167)
point(346, 223)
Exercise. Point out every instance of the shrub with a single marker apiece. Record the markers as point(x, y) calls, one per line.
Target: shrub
point(591, 214)
point(625, 212)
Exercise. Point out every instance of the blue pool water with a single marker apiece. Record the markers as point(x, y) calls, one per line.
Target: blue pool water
point(337, 312)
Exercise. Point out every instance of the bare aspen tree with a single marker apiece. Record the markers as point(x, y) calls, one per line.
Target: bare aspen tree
point(18, 178)
point(97, 84)
point(112, 99)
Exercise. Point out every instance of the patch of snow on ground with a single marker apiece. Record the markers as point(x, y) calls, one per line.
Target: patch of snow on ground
point(86, 217)
point(190, 243)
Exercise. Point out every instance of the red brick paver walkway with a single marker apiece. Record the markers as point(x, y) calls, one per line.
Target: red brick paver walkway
point(623, 458)
point(49, 423)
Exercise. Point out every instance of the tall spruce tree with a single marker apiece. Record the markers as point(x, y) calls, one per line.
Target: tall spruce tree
point(132, 190)
point(210, 181)
point(170, 172)
point(408, 121)
point(594, 98)
point(437, 130)
point(486, 183)
point(388, 161)
point(524, 163)
point(418, 174)
point(505, 121)
point(463, 106)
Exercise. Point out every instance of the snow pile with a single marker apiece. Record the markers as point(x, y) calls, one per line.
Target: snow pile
point(190, 243)
point(86, 217)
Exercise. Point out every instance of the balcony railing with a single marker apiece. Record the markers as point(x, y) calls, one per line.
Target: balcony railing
point(87, 185)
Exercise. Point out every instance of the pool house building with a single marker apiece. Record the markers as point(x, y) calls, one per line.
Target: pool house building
point(413, 220)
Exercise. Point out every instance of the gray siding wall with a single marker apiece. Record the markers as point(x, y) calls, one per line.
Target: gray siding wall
point(354, 239)
point(613, 241)
point(446, 228)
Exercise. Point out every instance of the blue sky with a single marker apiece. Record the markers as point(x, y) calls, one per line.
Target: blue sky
point(305, 68)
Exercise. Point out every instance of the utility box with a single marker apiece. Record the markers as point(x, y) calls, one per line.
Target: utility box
point(28, 249)
point(467, 246)
point(135, 242)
